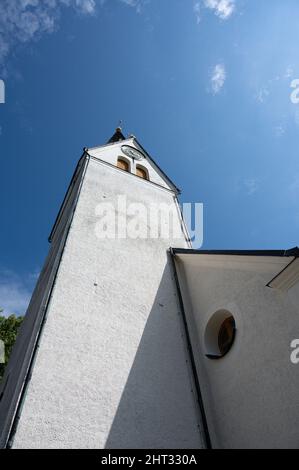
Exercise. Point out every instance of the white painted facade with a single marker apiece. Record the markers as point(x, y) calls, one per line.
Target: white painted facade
point(110, 154)
point(251, 394)
point(111, 369)
point(113, 349)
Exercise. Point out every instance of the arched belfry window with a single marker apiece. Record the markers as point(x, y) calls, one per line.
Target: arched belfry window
point(142, 172)
point(123, 164)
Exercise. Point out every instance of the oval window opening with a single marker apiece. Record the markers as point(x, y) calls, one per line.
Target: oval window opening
point(220, 334)
point(226, 335)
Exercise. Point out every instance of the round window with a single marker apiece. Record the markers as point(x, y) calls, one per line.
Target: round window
point(226, 335)
point(220, 334)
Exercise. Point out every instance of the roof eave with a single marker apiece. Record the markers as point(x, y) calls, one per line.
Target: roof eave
point(293, 252)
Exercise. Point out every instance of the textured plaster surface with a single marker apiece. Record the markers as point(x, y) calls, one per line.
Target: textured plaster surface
point(251, 394)
point(17, 369)
point(112, 368)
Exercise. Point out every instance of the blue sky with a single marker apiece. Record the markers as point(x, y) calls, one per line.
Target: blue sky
point(204, 85)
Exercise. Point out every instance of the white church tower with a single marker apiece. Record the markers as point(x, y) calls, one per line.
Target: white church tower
point(102, 359)
point(130, 344)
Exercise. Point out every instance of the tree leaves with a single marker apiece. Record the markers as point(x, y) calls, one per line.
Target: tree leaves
point(9, 327)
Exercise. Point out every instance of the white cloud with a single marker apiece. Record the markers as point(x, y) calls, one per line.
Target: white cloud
point(251, 185)
point(135, 4)
point(24, 20)
point(279, 130)
point(289, 73)
point(197, 11)
point(87, 6)
point(218, 78)
point(131, 3)
point(15, 292)
point(222, 8)
point(262, 94)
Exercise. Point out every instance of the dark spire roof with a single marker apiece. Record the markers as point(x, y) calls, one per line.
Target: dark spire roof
point(117, 136)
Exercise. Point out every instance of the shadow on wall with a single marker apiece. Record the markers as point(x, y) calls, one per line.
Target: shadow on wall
point(158, 408)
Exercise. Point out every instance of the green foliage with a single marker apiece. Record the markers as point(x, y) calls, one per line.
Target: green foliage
point(9, 327)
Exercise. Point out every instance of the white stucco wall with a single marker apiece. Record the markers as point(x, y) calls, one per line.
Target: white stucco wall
point(112, 368)
point(16, 371)
point(250, 395)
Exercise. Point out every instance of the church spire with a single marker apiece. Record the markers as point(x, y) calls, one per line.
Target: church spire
point(117, 136)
